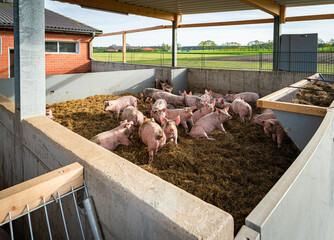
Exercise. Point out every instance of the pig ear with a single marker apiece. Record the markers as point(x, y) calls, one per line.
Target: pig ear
point(164, 109)
point(223, 100)
point(205, 104)
point(213, 103)
point(171, 89)
point(206, 91)
point(193, 108)
point(190, 93)
point(177, 120)
point(145, 118)
point(226, 109)
point(217, 110)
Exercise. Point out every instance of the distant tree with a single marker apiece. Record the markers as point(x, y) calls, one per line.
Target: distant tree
point(202, 45)
point(165, 47)
point(179, 47)
point(331, 43)
point(208, 44)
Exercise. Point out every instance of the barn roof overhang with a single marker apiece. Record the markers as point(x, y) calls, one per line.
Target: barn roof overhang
point(171, 9)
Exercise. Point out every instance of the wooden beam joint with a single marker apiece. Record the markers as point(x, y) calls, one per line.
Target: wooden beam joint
point(268, 6)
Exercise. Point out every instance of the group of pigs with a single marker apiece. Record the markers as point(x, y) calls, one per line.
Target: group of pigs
point(165, 111)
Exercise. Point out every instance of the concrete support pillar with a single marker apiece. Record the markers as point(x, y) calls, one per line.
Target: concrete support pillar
point(277, 34)
point(124, 47)
point(29, 57)
point(174, 44)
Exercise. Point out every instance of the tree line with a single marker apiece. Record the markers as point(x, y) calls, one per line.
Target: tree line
point(255, 45)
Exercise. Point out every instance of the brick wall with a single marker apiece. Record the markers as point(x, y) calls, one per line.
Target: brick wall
point(55, 63)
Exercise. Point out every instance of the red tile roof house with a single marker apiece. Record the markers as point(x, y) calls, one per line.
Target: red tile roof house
point(67, 43)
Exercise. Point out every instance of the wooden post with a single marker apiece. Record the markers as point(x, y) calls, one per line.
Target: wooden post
point(277, 35)
point(124, 47)
point(32, 192)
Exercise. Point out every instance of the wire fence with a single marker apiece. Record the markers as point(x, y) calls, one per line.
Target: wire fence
point(322, 62)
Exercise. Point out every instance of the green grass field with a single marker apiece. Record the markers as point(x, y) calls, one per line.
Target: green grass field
point(199, 59)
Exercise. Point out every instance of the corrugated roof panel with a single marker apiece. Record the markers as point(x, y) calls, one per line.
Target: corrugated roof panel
point(53, 21)
point(200, 6)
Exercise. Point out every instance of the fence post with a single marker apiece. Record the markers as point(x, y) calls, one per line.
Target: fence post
point(260, 65)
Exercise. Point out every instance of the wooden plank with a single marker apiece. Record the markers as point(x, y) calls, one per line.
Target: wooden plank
point(31, 192)
point(136, 30)
point(229, 23)
point(116, 6)
point(293, 107)
point(124, 47)
point(310, 18)
point(268, 6)
point(283, 14)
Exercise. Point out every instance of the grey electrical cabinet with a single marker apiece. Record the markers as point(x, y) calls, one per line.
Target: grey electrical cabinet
point(298, 52)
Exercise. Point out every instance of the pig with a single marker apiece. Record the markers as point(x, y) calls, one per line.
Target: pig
point(170, 106)
point(158, 109)
point(170, 98)
point(209, 123)
point(170, 129)
point(272, 126)
point(207, 96)
point(264, 116)
point(191, 100)
point(216, 95)
point(148, 93)
point(112, 138)
point(131, 113)
point(153, 136)
point(185, 115)
point(48, 113)
point(246, 96)
point(221, 103)
point(116, 106)
point(205, 110)
point(242, 108)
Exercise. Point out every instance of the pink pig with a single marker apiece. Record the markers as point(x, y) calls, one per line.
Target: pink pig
point(112, 138)
point(153, 136)
point(272, 126)
point(262, 117)
point(116, 106)
point(148, 93)
point(209, 123)
point(221, 103)
point(185, 115)
point(216, 95)
point(205, 110)
point(191, 100)
point(241, 108)
point(246, 96)
point(170, 129)
point(131, 113)
point(158, 109)
point(207, 96)
point(169, 97)
point(48, 113)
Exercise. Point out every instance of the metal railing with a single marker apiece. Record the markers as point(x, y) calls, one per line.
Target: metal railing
point(322, 62)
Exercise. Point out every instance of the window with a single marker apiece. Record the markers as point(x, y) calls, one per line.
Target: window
point(51, 47)
point(62, 47)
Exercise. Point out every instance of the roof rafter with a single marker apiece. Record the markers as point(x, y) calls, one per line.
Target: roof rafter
point(116, 6)
point(268, 6)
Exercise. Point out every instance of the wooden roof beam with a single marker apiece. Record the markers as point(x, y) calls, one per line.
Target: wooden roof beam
point(121, 7)
point(268, 6)
point(231, 23)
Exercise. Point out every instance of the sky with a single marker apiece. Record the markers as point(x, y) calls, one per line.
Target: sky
point(112, 22)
